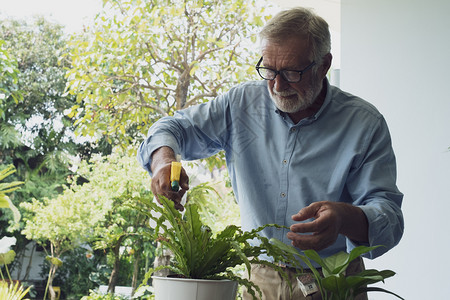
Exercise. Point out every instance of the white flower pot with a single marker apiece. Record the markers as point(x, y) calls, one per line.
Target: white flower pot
point(168, 288)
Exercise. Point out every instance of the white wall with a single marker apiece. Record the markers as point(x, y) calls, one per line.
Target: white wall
point(395, 54)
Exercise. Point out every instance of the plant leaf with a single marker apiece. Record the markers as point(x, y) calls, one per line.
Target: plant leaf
point(283, 246)
point(335, 283)
point(360, 250)
point(7, 258)
point(376, 289)
point(312, 254)
point(367, 277)
point(335, 263)
point(5, 202)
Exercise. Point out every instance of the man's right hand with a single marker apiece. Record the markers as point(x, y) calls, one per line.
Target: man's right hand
point(162, 160)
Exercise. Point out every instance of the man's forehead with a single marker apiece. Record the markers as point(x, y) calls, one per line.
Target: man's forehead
point(299, 44)
point(291, 51)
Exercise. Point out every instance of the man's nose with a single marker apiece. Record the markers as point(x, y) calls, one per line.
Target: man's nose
point(280, 84)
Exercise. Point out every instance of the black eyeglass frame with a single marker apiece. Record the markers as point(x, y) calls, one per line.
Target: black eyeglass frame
point(281, 72)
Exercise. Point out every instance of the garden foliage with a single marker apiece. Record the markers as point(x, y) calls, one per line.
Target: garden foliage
point(200, 254)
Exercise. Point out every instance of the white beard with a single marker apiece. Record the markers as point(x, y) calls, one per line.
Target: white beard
point(294, 102)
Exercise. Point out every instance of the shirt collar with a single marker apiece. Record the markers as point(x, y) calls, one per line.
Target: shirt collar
point(326, 101)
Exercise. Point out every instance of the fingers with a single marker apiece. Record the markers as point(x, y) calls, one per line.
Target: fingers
point(310, 241)
point(312, 235)
point(307, 212)
point(315, 235)
point(184, 180)
point(319, 233)
point(176, 197)
point(308, 227)
point(160, 186)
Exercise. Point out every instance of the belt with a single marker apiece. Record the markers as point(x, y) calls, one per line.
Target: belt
point(296, 270)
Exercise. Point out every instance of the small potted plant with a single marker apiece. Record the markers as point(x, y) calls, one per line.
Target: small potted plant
point(333, 283)
point(203, 259)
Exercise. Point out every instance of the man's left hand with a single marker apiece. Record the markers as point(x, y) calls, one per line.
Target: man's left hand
point(329, 220)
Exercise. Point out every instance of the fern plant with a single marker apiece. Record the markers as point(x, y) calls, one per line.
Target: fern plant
point(200, 254)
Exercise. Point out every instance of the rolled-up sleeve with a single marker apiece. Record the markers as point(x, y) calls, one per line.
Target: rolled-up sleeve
point(193, 133)
point(156, 139)
point(372, 183)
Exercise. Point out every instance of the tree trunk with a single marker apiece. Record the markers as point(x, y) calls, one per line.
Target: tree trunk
point(115, 272)
point(182, 89)
point(52, 273)
point(137, 261)
point(52, 292)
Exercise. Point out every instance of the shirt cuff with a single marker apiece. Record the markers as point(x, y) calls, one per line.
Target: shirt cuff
point(152, 143)
point(378, 224)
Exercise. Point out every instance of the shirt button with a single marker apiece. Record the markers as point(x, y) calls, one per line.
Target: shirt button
point(284, 161)
point(293, 129)
point(283, 195)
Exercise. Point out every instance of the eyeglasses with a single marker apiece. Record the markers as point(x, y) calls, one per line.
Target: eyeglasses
point(292, 76)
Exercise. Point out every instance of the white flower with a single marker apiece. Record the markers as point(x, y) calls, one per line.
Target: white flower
point(6, 243)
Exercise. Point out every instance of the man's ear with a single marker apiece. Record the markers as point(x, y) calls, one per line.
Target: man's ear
point(326, 65)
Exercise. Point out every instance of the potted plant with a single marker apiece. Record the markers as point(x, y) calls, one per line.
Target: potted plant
point(333, 283)
point(202, 259)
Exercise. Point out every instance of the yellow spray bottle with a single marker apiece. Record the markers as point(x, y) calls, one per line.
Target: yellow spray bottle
point(175, 172)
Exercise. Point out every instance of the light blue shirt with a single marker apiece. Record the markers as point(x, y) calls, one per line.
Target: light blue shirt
point(343, 153)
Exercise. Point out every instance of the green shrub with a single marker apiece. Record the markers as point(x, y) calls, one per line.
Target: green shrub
point(94, 295)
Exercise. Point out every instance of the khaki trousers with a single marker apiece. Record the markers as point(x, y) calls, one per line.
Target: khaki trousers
point(274, 287)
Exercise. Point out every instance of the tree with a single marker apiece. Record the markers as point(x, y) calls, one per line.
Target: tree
point(38, 119)
point(34, 131)
point(35, 134)
point(122, 228)
point(9, 93)
point(146, 59)
point(62, 224)
point(123, 183)
point(95, 211)
point(8, 79)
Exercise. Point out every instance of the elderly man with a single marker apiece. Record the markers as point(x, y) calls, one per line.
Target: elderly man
point(300, 152)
